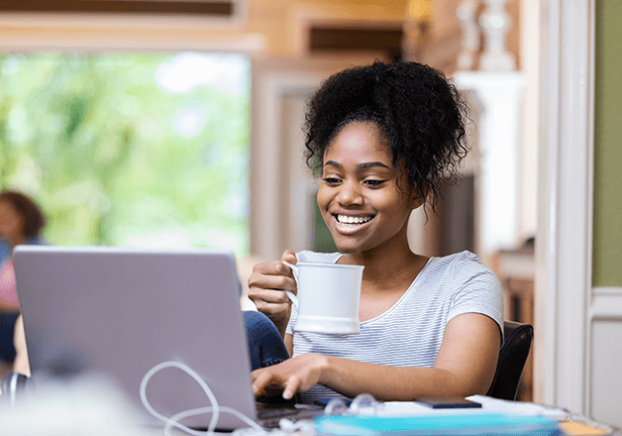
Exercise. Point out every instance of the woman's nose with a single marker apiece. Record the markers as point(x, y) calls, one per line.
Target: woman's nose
point(349, 194)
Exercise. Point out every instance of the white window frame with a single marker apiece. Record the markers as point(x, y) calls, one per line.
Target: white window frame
point(564, 238)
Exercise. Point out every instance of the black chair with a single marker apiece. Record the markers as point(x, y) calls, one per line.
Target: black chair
point(512, 358)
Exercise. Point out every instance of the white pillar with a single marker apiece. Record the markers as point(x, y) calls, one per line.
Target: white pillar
point(499, 136)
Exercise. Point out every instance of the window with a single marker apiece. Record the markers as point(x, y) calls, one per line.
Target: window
point(130, 149)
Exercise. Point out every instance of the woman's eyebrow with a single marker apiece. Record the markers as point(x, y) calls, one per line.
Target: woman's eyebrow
point(373, 164)
point(362, 165)
point(332, 163)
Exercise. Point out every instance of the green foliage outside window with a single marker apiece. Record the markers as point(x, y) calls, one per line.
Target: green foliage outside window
point(130, 149)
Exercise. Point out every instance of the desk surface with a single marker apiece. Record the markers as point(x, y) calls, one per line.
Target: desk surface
point(64, 408)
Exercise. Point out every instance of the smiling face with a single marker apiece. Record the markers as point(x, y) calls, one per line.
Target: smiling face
point(360, 196)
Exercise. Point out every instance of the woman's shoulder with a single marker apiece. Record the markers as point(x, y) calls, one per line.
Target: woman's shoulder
point(462, 260)
point(315, 257)
point(459, 267)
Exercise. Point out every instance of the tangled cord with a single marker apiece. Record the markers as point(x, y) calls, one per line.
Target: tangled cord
point(215, 409)
point(336, 406)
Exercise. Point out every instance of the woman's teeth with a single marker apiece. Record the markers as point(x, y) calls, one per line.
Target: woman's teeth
point(345, 219)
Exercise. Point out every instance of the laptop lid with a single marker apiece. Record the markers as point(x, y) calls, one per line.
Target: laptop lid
point(119, 312)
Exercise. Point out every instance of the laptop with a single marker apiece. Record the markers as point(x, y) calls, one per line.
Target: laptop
point(118, 312)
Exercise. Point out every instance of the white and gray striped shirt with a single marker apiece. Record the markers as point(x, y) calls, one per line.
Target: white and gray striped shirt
point(411, 331)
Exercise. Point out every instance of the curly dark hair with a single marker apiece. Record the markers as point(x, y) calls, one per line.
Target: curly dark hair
point(34, 220)
point(420, 113)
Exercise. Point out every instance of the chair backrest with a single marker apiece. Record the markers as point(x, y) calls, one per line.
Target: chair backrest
point(512, 358)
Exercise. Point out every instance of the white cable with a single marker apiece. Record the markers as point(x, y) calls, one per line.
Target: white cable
point(335, 406)
point(169, 421)
point(363, 401)
point(215, 408)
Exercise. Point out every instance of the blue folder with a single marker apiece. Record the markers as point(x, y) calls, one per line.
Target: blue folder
point(477, 424)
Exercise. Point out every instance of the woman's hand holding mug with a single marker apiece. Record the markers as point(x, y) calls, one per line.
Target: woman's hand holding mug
point(266, 285)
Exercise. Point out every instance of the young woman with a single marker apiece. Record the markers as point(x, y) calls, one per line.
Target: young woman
point(21, 222)
point(383, 137)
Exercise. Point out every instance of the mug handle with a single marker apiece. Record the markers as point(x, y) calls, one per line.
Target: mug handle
point(290, 294)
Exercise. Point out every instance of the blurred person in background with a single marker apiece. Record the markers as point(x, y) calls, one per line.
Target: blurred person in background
point(21, 222)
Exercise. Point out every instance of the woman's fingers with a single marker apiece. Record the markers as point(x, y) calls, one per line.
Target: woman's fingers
point(274, 310)
point(289, 256)
point(277, 267)
point(267, 280)
point(267, 293)
point(294, 375)
point(260, 380)
point(267, 383)
point(265, 289)
point(291, 387)
point(269, 296)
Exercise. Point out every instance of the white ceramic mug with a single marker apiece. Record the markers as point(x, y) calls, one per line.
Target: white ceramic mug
point(328, 297)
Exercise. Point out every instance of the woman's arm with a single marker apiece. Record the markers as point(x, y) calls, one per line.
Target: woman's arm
point(465, 365)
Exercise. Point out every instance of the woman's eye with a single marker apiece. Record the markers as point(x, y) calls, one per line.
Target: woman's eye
point(331, 180)
point(374, 182)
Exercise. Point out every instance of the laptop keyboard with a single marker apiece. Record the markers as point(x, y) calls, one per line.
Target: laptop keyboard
point(269, 414)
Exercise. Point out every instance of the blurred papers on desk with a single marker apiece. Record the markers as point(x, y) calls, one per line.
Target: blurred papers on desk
point(489, 405)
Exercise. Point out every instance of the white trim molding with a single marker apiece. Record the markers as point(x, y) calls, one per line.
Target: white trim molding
point(604, 382)
point(606, 304)
point(269, 186)
point(564, 240)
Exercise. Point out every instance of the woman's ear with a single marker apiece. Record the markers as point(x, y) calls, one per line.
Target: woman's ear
point(417, 200)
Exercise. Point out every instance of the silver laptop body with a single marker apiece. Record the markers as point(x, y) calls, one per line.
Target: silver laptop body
point(119, 312)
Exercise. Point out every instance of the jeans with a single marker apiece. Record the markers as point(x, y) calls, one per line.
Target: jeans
point(7, 328)
point(265, 344)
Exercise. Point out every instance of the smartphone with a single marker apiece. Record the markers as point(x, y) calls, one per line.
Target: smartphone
point(447, 402)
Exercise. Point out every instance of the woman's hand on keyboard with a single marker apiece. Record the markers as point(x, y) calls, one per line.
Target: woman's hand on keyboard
point(294, 375)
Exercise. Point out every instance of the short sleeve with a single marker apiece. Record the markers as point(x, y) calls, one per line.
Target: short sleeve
point(476, 290)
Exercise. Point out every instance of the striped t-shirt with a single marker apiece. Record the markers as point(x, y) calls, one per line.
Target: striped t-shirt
point(411, 331)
